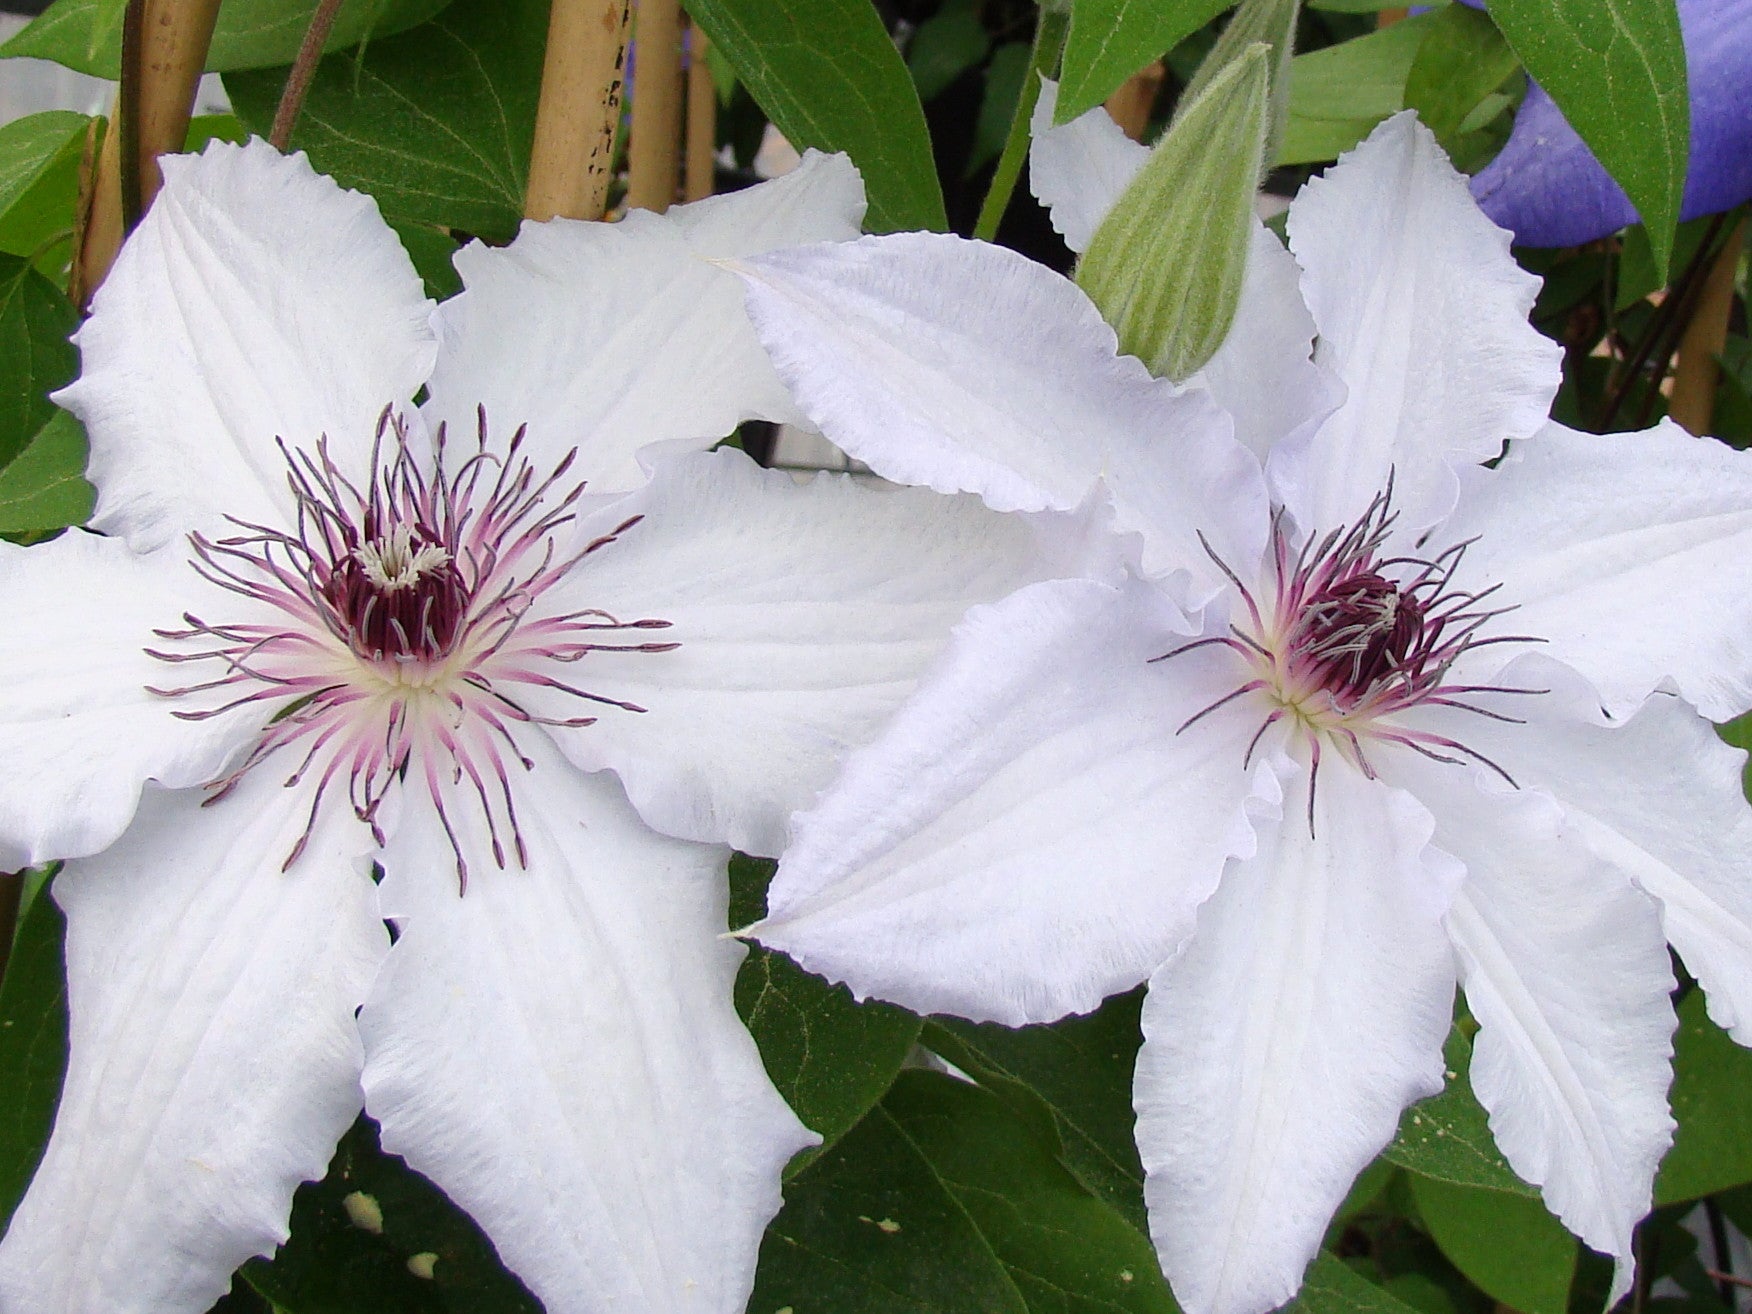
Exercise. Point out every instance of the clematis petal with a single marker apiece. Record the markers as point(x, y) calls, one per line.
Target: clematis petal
point(1659, 797)
point(79, 732)
point(556, 1047)
point(1308, 1009)
point(1565, 969)
point(1264, 374)
point(1423, 317)
point(1629, 555)
point(214, 1060)
point(256, 301)
point(1013, 390)
point(804, 617)
point(1078, 170)
point(608, 337)
point(1032, 832)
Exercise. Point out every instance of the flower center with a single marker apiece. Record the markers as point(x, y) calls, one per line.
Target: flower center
point(1345, 638)
point(406, 630)
point(400, 596)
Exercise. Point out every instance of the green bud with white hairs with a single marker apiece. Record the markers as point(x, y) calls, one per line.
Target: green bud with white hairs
point(1165, 266)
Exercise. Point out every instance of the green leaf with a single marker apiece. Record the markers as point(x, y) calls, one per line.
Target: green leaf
point(1505, 1244)
point(1447, 1137)
point(33, 1048)
point(431, 250)
point(1332, 1287)
point(1339, 94)
point(1110, 40)
point(1616, 68)
point(828, 76)
point(1461, 61)
point(35, 355)
point(375, 1235)
point(942, 1202)
point(1003, 86)
point(947, 44)
point(39, 178)
point(87, 35)
point(830, 1057)
point(1712, 1102)
point(43, 488)
point(435, 123)
point(1076, 1076)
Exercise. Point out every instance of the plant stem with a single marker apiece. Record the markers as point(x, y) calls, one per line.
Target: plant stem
point(573, 154)
point(1049, 41)
point(1697, 373)
point(303, 70)
point(702, 120)
point(164, 50)
point(654, 147)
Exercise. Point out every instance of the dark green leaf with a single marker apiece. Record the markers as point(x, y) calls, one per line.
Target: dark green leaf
point(1339, 94)
point(86, 34)
point(1330, 1287)
point(1616, 68)
point(831, 1058)
point(375, 1235)
point(1110, 40)
point(33, 1047)
point(43, 488)
point(828, 76)
point(1460, 62)
point(1003, 87)
point(431, 250)
point(1506, 1244)
point(947, 44)
point(35, 355)
point(1712, 1102)
point(941, 1201)
point(435, 123)
point(1078, 1074)
point(39, 178)
point(1448, 1136)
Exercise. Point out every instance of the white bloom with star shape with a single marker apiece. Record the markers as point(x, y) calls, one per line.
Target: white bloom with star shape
point(1352, 720)
point(476, 643)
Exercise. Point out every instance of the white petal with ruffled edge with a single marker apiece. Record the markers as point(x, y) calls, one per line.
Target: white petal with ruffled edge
point(1628, 554)
point(79, 732)
point(558, 1050)
point(1079, 170)
point(1565, 968)
point(280, 306)
point(1422, 316)
point(1032, 833)
point(1659, 797)
point(214, 1060)
point(804, 614)
point(608, 337)
point(1280, 1047)
point(967, 368)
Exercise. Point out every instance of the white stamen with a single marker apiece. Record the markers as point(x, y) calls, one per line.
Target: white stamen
point(393, 563)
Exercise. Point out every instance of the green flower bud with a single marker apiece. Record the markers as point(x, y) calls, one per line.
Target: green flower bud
point(1166, 264)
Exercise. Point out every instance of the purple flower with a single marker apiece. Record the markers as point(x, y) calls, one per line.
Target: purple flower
point(1549, 190)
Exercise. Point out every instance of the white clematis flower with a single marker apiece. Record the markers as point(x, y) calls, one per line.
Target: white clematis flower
point(415, 637)
point(1365, 718)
